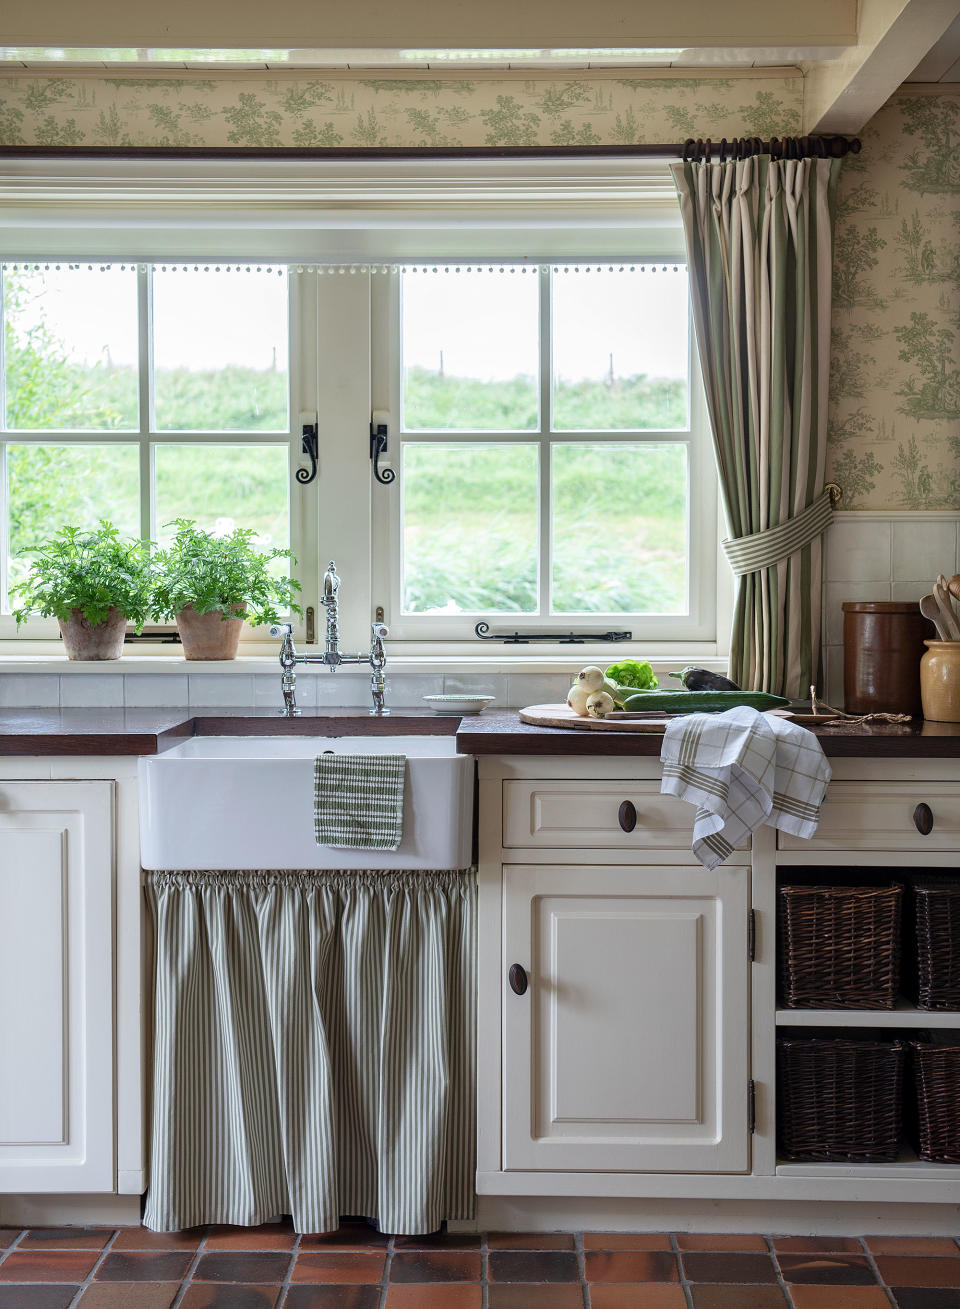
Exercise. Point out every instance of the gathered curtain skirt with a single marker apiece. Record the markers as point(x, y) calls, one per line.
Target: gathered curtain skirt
point(314, 1048)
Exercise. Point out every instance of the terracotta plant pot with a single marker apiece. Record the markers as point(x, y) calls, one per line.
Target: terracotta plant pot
point(83, 640)
point(209, 636)
point(940, 681)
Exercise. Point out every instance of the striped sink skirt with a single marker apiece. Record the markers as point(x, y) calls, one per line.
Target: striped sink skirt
point(313, 1048)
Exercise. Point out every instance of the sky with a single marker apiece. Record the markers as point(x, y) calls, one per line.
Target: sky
point(483, 323)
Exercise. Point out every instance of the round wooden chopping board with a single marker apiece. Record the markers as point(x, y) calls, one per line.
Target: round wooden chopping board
point(561, 715)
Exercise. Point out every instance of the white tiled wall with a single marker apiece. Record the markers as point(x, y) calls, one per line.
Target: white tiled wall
point(872, 556)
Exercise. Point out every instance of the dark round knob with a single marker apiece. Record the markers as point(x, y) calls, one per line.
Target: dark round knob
point(923, 819)
point(627, 816)
point(518, 979)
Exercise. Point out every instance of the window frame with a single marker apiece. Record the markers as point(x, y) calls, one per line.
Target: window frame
point(701, 621)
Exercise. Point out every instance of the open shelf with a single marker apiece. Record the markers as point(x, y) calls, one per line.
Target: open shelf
point(906, 1167)
point(902, 1015)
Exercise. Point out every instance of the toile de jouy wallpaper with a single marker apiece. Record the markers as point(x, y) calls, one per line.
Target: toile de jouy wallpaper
point(895, 379)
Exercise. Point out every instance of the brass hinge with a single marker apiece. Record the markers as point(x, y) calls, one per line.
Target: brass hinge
point(752, 935)
point(751, 1106)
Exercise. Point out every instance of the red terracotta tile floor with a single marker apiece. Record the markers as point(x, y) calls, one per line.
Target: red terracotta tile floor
point(271, 1267)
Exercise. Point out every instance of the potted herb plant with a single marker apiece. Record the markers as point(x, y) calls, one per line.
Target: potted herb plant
point(93, 583)
point(211, 584)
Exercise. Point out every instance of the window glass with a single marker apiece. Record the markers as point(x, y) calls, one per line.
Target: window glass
point(470, 346)
point(52, 485)
point(220, 350)
point(470, 528)
point(70, 348)
point(619, 528)
point(223, 486)
point(620, 349)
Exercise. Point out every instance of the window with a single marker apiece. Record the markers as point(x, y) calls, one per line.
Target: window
point(552, 471)
point(144, 393)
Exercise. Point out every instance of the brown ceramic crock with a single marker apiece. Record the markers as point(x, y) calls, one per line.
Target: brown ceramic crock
point(882, 648)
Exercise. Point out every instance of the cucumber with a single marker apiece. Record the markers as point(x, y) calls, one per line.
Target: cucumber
point(701, 702)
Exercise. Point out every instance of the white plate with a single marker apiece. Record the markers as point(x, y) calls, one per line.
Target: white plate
point(458, 704)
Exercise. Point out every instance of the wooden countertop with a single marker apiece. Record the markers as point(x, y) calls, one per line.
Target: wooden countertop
point(150, 731)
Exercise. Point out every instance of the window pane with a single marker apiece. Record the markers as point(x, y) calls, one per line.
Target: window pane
point(620, 350)
point(53, 486)
point(471, 351)
point(70, 349)
point(470, 528)
point(220, 351)
point(620, 528)
point(225, 486)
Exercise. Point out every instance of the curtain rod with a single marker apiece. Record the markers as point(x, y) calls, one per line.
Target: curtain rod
point(791, 147)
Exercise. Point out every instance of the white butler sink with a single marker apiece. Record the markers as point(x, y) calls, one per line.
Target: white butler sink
point(238, 802)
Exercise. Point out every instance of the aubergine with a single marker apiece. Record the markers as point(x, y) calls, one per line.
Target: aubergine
point(701, 679)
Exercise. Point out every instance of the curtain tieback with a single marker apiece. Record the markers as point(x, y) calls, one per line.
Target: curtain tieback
point(759, 550)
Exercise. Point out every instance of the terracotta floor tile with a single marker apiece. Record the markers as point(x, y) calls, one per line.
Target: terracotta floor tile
point(926, 1297)
point(144, 1266)
point(456, 1295)
point(530, 1241)
point(333, 1297)
point(913, 1270)
point(439, 1241)
point(268, 1236)
point(436, 1266)
point(48, 1266)
point(738, 1297)
point(624, 1295)
point(655, 1266)
point(140, 1238)
point(8, 1235)
point(942, 1245)
point(205, 1295)
point(348, 1236)
point(721, 1241)
point(818, 1245)
point(130, 1295)
point(716, 1266)
point(527, 1295)
point(242, 1266)
point(346, 1267)
point(827, 1269)
point(66, 1238)
point(35, 1297)
point(626, 1241)
point(839, 1297)
point(531, 1266)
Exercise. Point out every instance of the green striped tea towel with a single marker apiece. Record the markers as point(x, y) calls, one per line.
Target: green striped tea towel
point(743, 769)
point(358, 800)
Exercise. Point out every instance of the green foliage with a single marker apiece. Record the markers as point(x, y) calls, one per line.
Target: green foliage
point(633, 672)
point(91, 571)
point(935, 120)
point(855, 473)
point(855, 253)
point(936, 393)
point(225, 572)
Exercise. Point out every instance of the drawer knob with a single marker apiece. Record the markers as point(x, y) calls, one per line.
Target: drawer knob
point(627, 815)
point(923, 819)
point(518, 979)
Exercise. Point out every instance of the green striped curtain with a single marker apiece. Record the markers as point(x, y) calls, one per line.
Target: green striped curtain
point(313, 1048)
point(759, 236)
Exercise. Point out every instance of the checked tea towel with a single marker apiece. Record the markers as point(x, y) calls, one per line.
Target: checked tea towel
point(358, 800)
point(743, 769)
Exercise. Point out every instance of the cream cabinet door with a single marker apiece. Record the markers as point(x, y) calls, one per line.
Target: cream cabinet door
point(56, 987)
point(628, 1050)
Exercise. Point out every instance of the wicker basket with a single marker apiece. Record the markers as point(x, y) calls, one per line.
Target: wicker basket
point(839, 946)
point(935, 944)
point(840, 1100)
point(936, 1084)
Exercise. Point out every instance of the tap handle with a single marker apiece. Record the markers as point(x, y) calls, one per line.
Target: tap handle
point(380, 630)
point(281, 629)
point(331, 583)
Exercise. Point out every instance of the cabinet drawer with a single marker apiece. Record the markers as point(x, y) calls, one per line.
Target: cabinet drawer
point(880, 816)
point(586, 815)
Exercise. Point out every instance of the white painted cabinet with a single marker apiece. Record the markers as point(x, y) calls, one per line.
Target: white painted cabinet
point(56, 987)
point(628, 1049)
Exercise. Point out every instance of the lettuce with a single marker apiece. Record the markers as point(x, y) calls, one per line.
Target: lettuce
point(633, 673)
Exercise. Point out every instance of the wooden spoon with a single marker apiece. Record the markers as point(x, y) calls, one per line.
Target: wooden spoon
point(930, 609)
point(953, 586)
point(942, 597)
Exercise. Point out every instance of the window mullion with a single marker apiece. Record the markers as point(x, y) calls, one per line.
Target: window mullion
point(144, 390)
point(545, 598)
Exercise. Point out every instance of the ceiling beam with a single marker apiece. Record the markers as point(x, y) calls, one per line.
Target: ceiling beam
point(894, 36)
